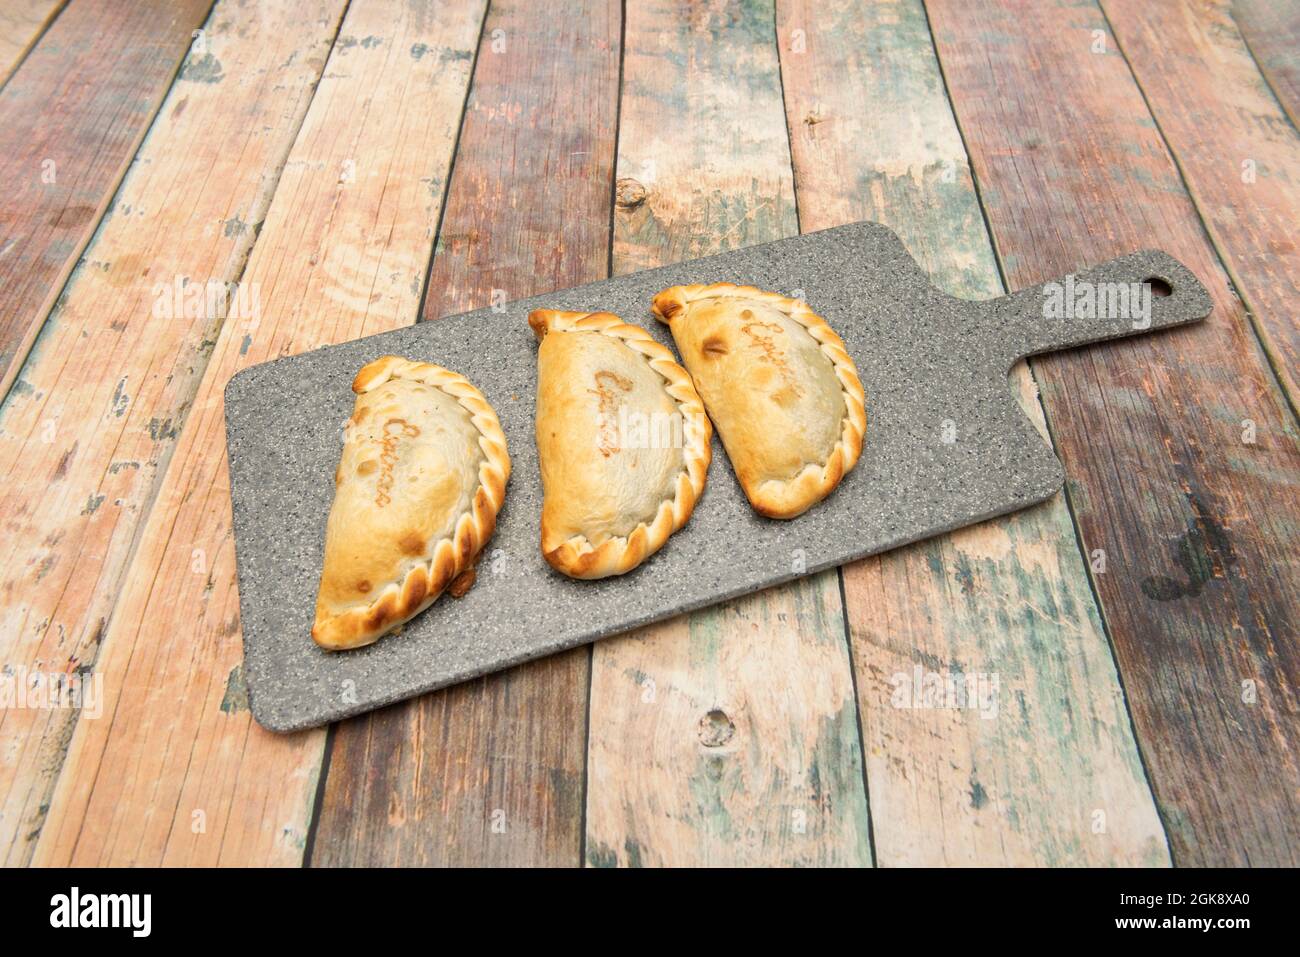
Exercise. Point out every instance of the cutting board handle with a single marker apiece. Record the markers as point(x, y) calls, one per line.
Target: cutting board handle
point(1133, 294)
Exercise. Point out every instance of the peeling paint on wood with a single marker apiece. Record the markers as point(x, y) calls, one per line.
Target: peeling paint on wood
point(116, 375)
point(1236, 149)
point(1014, 769)
point(343, 238)
point(1210, 677)
point(71, 118)
point(1272, 29)
point(728, 736)
point(490, 772)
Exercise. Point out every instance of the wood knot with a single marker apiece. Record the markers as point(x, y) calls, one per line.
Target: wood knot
point(716, 729)
point(628, 193)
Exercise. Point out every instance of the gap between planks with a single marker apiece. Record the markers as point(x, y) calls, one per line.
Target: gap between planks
point(515, 791)
point(322, 279)
point(953, 787)
point(1172, 482)
point(110, 378)
point(21, 30)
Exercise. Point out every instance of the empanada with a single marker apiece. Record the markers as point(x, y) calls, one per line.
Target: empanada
point(417, 491)
point(779, 386)
point(622, 438)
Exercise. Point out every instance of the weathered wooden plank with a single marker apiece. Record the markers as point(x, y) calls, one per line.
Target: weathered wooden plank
point(102, 395)
point(71, 118)
point(1238, 153)
point(728, 736)
point(1180, 449)
point(1272, 29)
point(491, 772)
point(176, 772)
point(1038, 766)
point(21, 24)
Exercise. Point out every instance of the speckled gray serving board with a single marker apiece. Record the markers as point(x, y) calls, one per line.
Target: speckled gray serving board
point(946, 446)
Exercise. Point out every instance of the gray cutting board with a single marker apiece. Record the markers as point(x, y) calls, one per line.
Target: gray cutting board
point(946, 446)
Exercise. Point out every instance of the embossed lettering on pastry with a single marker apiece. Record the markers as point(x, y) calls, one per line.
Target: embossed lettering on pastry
point(779, 386)
point(622, 438)
point(417, 491)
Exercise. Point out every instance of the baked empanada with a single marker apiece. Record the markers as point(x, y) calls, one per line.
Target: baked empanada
point(417, 491)
point(622, 438)
point(778, 385)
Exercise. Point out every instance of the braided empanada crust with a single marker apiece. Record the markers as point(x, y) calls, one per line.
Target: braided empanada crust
point(783, 497)
point(575, 554)
point(436, 565)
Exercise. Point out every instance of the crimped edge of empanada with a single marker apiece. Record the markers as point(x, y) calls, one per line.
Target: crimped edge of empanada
point(576, 556)
point(787, 498)
point(450, 557)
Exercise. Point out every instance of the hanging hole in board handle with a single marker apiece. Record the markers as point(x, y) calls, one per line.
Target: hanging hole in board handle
point(1160, 288)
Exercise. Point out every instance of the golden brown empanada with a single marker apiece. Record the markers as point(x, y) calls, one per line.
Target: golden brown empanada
point(622, 438)
point(778, 385)
point(422, 477)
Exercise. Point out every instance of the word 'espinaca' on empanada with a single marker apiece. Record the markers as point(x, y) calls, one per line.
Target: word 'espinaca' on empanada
point(417, 491)
point(779, 386)
point(622, 438)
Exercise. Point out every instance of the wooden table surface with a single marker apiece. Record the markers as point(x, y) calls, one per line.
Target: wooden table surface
point(355, 166)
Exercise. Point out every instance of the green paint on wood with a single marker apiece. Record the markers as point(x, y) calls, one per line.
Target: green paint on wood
point(236, 696)
point(1008, 602)
point(759, 689)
